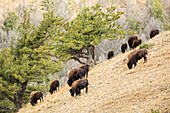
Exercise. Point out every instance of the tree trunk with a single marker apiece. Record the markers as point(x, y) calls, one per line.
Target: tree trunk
point(18, 104)
point(90, 52)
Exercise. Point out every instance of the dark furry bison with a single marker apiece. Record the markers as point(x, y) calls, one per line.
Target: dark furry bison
point(136, 43)
point(131, 39)
point(110, 54)
point(124, 47)
point(85, 68)
point(154, 32)
point(36, 95)
point(134, 56)
point(53, 86)
point(78, 85)
point(75, 74)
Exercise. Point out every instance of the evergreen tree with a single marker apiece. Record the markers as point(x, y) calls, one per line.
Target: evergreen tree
point(30, 59)
point(158, 12)
point(89, 28)
point(10, 23)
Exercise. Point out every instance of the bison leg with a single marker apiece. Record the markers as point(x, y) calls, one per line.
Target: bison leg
point(86, 75)
point(135, 64)
point(42, 98)
point(145, 59)
point(79, 92)
point(56, 89)
point(86, 89)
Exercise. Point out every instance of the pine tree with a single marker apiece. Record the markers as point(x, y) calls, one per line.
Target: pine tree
point(30, 59)
point(89, 28)
point(10, 23)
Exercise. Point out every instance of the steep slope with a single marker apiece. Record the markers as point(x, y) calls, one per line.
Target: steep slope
point(115, 88)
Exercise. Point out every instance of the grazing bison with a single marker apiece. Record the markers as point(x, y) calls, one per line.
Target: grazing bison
point(131, 39)
point(85, 68)
point(78, 85)
point(134, 56)
point(75, 74)
point(35, 95)
point(136, 43)
point(110, 54)
point(154, 32)
point(124, 47)
point(53, 86)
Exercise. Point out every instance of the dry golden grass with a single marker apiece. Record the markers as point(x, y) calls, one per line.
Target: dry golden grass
point(115, 88)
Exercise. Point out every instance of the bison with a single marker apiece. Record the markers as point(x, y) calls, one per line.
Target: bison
point(53, 86)
point(154, 32)
point(36, 95)
point(124, 47)
point(110, 54)
point(136, 43)
point(85, 68)
point(78, 85)
point(134, 56)
point(131, 39)
point(75, 74)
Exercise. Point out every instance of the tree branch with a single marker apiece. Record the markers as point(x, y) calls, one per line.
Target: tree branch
point(83, 56)
point(76, 51)
point(10, 98)
point(77, 59)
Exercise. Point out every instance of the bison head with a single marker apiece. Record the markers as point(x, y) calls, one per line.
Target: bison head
point(69, 83)
point(33, 103)
point(129, 64)
point(72, 92)
point(51, 91)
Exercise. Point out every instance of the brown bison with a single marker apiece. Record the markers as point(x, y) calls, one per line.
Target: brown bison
point(136, 43)
point(85, 68)
point(154, 32)
point(36, 95)
point(75, 74)
point(110, 54)
point(131, 39)
point(53, 86)
point(78, 85)
point(134, 56)
point(124, 47)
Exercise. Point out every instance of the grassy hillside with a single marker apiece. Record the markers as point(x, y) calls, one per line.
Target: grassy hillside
point(115, 88)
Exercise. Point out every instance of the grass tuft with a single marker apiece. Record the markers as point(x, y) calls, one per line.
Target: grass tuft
point(146, 45)
point(154, 111)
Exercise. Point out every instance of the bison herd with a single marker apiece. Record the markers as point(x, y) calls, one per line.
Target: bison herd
point(77, 78)
point(136, 55)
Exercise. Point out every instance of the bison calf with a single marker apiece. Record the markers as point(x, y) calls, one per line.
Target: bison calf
point(154, 32)
point(131, 39)
point(110, 54)
point(53, 86)
point(36, 95)
point(124, 47)
point(136, 43)
point(78, 85)
point(134, 56)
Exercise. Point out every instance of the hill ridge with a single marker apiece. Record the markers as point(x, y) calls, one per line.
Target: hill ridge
point(115, 88)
